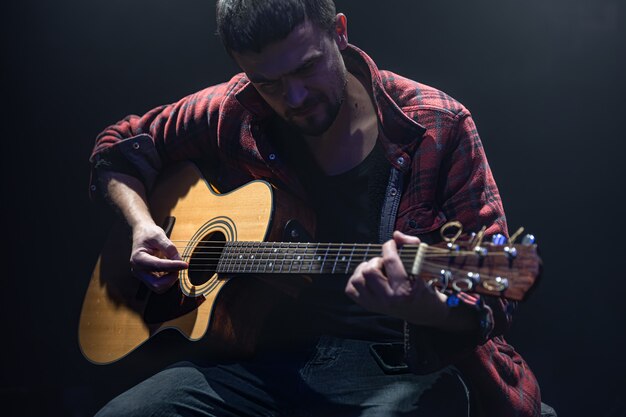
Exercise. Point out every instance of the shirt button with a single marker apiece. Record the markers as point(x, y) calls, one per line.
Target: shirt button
point(92, 188)
point(272, 156)
point(393, 192)
point(136, 145)
point(400, 160)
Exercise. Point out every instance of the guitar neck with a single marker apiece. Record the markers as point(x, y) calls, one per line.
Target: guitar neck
point(301, 258)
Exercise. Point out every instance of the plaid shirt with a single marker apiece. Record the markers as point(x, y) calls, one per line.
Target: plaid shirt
point(427, 135)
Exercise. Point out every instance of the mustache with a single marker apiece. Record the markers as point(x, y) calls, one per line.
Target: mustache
point(306, 106)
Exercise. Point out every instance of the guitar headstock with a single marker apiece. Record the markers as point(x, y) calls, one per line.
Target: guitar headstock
point(499, 267)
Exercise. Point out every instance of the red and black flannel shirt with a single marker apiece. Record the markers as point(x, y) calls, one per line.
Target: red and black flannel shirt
point(428, 136)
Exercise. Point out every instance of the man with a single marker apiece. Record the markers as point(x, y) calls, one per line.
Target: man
point(371, 152)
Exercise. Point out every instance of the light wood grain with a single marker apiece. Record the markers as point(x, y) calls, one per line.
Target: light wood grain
point(112, 322)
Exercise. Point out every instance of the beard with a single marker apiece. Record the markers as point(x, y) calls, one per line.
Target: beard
point(319, 112)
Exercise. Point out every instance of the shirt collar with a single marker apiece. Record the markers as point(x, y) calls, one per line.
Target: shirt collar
point(399, 130)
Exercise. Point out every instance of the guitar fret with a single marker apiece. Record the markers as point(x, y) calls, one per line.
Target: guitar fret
point(301, 256)
point(280, 258)
point(226, 256)
point(337, 258)
point(313, 257)
point(325, 258)
point(263, 256)
point(350, 260)
point(252, 256)
point(241, 258)
point(307, 258)
point(295, 258)
point(249, 258)
point(235, 259)
point(287, 258)
point(229, 257)
point(272, 262)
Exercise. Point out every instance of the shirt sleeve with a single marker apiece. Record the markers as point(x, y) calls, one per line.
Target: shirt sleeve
point(469, 194)
point(141, 145)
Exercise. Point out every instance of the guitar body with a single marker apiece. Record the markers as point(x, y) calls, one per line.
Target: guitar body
point(250, 235)
point(119, 313)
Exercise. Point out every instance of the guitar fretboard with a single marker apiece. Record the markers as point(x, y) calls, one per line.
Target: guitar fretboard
point(297, 258)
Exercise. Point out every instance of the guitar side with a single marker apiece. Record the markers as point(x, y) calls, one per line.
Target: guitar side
point(118, 314)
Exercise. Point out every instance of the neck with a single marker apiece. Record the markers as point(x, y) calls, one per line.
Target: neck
point(309, 258)
point(352, 135)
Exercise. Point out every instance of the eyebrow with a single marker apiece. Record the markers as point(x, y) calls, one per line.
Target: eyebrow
point(309, 61)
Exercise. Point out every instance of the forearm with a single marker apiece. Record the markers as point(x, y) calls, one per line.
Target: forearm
point(128, 195)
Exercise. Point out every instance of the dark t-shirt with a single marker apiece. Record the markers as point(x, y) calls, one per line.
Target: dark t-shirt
point(348, 207)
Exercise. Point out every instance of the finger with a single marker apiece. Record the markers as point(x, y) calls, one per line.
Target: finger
point(169, 250)
point(369, 288)
point(351, 291)
point(377, 287)
point(375, 280)
point(394, 269)
point(355, 287)
point(358, 291)
point(403, 239)
point(144, 261)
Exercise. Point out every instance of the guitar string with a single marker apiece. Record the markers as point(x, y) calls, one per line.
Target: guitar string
point(269, 246)
point(426, 267)
point(295, 244)
point(330, 247)
point(250, 242)
point(314, 252)
point(407, 254)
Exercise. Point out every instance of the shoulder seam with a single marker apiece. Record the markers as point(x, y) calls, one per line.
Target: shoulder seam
point(457, 115)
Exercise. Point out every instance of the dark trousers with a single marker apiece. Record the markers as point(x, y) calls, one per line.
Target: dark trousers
point(337, 377)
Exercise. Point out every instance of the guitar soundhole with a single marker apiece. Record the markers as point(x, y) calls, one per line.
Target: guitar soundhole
point(204, 258)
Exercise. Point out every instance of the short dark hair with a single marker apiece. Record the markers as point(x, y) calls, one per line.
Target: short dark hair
point(250, 25)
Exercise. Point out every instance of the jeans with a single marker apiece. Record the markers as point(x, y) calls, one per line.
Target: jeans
point(336, 377)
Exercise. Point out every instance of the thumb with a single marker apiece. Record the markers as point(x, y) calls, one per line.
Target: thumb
point(170, 250)
point(403, 239)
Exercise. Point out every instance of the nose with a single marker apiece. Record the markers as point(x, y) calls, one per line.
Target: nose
point(294, 92)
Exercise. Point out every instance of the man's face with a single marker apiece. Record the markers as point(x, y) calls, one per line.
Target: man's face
point(302, 77)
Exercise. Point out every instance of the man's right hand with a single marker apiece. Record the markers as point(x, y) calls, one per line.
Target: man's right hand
point(154, 258)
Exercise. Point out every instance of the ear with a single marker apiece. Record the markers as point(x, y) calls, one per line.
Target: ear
point(341, 31)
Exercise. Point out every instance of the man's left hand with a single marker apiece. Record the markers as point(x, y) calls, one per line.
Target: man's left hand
point(383, 285)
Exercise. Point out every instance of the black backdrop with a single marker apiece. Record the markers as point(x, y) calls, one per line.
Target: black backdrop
point(544, 80)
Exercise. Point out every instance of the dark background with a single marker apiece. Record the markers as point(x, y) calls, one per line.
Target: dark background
point(543, 79)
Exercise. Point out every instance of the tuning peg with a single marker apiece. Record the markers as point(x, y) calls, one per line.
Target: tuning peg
point(453, 247)
point(474, 277)
point(528, 240)
point(481, 251)
point(511, 252)
point(496, 284)
point(498, 239)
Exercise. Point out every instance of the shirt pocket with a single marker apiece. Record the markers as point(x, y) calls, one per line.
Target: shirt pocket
point(420, 219)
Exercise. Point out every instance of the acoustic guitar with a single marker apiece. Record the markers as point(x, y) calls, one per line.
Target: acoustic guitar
point(243, 245)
